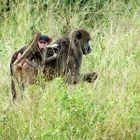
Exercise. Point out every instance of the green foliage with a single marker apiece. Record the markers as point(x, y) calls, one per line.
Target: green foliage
point(107, 109)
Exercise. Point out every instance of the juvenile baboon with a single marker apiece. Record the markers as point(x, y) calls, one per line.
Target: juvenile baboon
point(24, 70)
point(72, 48)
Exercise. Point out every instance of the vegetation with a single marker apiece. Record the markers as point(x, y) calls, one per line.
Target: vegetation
point(107, 109)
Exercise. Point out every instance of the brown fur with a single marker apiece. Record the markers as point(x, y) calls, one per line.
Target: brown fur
point(70, 50)
point(34, 61)
point(68, 63)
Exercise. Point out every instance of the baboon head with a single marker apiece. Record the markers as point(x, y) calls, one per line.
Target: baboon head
point(81, 38)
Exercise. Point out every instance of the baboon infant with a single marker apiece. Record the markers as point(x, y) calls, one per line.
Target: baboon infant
point(69, 59)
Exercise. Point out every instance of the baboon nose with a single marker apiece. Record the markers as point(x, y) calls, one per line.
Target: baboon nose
point(89, 50)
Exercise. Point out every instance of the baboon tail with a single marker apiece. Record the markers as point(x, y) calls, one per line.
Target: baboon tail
point(13, 88)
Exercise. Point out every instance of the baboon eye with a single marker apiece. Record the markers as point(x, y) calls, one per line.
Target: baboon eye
point(78, 35)
point(64, 42)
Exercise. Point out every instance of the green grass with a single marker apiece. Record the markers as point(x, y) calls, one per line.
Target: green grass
point(107, 109)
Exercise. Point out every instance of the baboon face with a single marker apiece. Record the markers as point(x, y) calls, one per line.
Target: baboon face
point(52, 49)
point(82, 38)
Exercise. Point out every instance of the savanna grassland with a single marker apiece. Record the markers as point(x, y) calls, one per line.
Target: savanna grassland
point(109, 109)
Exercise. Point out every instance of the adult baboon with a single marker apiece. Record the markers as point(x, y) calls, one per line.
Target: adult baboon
point(72, 48)
point(24, 70)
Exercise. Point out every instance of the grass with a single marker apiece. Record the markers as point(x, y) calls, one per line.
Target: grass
point(107, 109)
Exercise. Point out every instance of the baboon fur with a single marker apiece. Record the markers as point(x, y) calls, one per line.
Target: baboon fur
point(34, 62)
point(68, 63)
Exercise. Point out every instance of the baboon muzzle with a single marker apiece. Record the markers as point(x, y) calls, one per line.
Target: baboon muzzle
point(87, 49)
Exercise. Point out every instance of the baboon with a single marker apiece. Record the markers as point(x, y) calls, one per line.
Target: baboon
point(32, 60)
point(62, 58)
point(72, 48)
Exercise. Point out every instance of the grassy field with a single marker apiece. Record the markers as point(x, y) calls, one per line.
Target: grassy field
point(109, 109)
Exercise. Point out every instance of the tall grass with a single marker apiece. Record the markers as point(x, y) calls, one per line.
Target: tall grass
point(107, 109)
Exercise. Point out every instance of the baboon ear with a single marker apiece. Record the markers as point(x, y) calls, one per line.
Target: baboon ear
point(78, 35)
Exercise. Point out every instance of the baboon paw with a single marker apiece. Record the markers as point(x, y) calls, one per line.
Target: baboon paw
point(92, 77)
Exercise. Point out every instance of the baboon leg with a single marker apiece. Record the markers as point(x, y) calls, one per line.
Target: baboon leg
point(17, 86)
point(14, 88)
point(72, 76)
point(89, 77)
